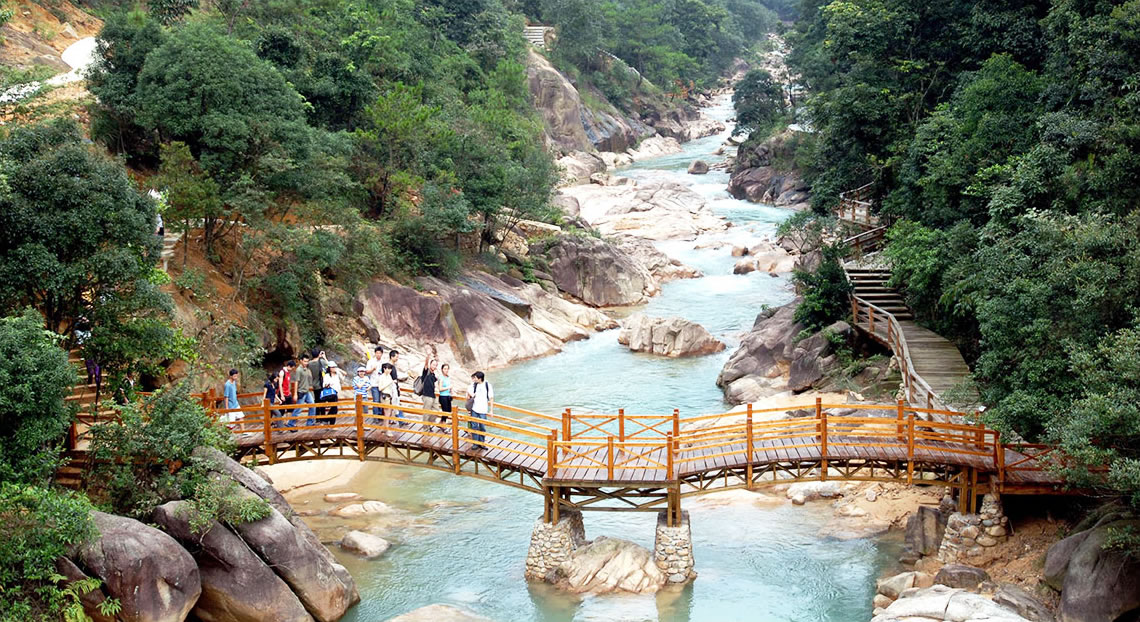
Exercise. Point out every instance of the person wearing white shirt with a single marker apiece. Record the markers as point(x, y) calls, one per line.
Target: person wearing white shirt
point(481, 396)
point(374, 373)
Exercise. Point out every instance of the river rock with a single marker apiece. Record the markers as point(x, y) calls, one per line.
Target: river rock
point(478, 329)
point(154, 579)
point(941, 603)
point(360, 509)
point(759, 177)
point(438, 613)
point(698, 167)
point(810, 491)
point(598, 273)
point(615, 160)
point(558, 102)
point(892, 587)
point(1023, 602)
point(550, 313)
point(578, 166)
point(568, 205)
point(961, 576)
point(813, 358)
point(610, 565)
point(1097, 584)
point(307, 567)
point(763, 357)
point(364, 544)
point(237, 586)
point(672, 337)
point(341, 497)
point(744, 266)
point(924, 530)
point(661, 266)
point(658, 210)
point(655, 146)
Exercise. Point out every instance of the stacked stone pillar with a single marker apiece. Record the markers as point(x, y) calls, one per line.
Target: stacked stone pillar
point(673, 549)
point(553, 543)
point(969, 536)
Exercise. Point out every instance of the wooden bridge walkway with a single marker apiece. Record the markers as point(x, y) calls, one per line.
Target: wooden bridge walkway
point(620, 462)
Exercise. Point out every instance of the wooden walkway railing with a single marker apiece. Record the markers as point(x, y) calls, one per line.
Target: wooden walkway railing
point(855, 207)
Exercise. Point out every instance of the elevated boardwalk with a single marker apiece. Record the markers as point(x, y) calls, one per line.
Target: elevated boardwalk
point(620, 462)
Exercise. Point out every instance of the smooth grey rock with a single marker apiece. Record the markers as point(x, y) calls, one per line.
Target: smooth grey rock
point(961, 576)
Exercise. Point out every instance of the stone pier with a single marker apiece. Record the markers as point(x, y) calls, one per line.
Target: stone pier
point(969, 536)
point(552, 543)
point(673, 550)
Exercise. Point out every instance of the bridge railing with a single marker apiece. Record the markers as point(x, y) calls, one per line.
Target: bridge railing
point(855, 207)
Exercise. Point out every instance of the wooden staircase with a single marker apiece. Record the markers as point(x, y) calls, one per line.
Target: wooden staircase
point(169, 243)
point(871, 284)
point(83, 396)
point(537, 35)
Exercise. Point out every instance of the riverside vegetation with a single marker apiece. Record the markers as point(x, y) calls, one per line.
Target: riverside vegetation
point(315, 146)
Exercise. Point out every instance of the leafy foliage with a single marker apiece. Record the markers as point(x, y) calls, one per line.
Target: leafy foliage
point(34, 379)
point(827, 293)
point(37, 526)
point(759, 101)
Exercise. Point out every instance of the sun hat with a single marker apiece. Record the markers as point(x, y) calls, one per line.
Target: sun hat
point(332, 364)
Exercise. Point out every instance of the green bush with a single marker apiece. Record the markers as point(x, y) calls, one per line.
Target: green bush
point(34, 379)
point(827, 293)
point(37, 526)
point(145, 460)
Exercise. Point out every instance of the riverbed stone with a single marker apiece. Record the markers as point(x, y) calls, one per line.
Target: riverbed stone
point(364, 544)
point(1023, 602)
point(438, 613)
point(610, 565)
point(698, 167)
point(671, 337)
point(341, 497)
point(961, 576)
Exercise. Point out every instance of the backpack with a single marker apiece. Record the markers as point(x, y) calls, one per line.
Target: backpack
point(418, 385)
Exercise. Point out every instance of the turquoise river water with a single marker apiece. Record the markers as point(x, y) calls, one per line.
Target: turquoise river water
point(464, 541)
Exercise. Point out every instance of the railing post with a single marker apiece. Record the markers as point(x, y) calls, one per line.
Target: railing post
point(899, 417)
point(551, 454)
point(910, 448)
point(360, 426)
point(889, 333)
point(676, 423)
point(871, 319)
point(621, 424)
point(748, 449)
point(669, 457)
point(980, 435)
point(822, 444)
point(268, 431)
point(566, 425)
point(455, 438)
point(854, 310)
point(1000, 448)
point(610, 458)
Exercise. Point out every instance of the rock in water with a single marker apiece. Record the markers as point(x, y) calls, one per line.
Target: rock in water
point(236, 585)
point(438, 613)
point(940, 603)
point(153, 577)
point(672, 337)
point(598, 273)
point(610, 565)
point(1097, 584)
point(363, 544)
point(698, 167)
point(764, 355)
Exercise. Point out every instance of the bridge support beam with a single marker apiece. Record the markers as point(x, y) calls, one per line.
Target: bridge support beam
point(552, 543)
point(673, 549)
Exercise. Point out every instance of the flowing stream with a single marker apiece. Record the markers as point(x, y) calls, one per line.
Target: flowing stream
point(464, 542)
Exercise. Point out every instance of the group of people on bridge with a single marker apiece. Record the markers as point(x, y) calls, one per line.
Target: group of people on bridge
point(313, 379)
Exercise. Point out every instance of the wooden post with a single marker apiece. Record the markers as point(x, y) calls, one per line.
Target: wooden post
point(621, 424)
point(360, 426)
point(899, 418)
point(1000, 462)
point(669, 457)
point(980, 435)
point(267, 414)
point(676, 423)
point(551, 454)
point(822, 445)
point(973, 490)
point(871, 319)
point(854, 310)
point(610, 458)
point(557, 502)
point(546, 497)
point(455, 441)
point(748, 449)
point(910, 448)
point(889, 333)
point(566, 425)
point(73, 436)
point(930, 400)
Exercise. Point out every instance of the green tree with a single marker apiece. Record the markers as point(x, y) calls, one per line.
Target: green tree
point(34, 379)
point(77, 235)
point(759, 102)
point(170, 11)
point(191, 194)
point(827, 292)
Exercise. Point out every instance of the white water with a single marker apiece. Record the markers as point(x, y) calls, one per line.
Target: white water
point(755, 564)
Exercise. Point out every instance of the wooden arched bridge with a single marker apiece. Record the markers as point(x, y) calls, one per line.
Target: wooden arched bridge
point(630, 462)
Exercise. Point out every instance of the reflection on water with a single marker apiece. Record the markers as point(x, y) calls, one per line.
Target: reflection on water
point(755, 564)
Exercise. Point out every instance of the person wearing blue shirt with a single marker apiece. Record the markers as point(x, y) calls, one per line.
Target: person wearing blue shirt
point(230, 393)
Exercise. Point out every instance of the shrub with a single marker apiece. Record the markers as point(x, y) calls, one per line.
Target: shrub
point(826, 291)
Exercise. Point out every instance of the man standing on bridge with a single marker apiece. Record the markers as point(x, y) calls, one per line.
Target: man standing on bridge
point(480, 399)
point(302, 390)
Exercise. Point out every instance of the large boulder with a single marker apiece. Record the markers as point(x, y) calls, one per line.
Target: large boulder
point(764, 356)
point(154, 579)
point(943, 604)
point(672, 337)
point(1023, 602)
point(698, 167)
point(924, 531)
point(961, 576)
point(304, 565)
point(237, 586)
point(658, 210)
point(610, 565)
point(558, 102)
point(364, 544)
point(813, 357)
point(1097, 584)
point(598, 273)
point(661, 266)
point(655, 146)
point(578, 166)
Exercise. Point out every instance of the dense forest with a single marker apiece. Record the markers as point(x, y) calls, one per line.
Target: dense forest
point(315, 145)
point(1003, 141)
